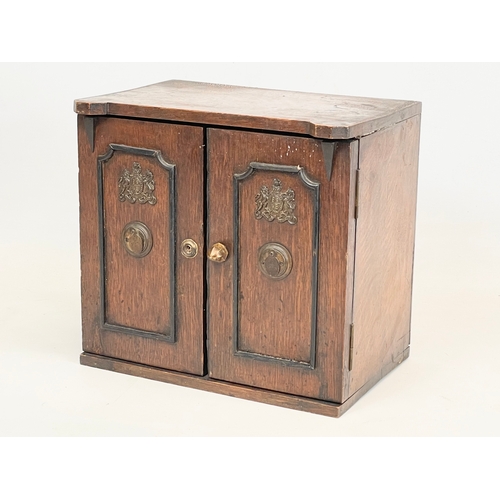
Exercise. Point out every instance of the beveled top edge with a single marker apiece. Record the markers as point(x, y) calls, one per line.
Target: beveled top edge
point(324, 116)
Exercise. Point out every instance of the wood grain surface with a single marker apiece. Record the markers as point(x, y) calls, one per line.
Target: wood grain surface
point(385, 238)
point(318, 115)
point(138, 291)
point(226, 326)
point(132, 284)
point(275, 317)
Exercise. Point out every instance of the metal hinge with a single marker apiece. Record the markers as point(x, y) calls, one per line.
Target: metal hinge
point(351, 345)
point(356, 195)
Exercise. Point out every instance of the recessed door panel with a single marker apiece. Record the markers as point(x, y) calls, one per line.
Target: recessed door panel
point(137, 238)
point(279, 304)
point(144, 183)
point(275, 252)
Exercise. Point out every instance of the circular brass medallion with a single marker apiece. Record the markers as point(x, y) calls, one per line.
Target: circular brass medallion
point(275, 261)
point(137, 239)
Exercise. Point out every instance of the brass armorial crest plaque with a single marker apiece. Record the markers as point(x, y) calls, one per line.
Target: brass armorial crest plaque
point(275, 204)
point(137, 186)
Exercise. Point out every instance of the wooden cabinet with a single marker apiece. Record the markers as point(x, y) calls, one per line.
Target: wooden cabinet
point(251, 242)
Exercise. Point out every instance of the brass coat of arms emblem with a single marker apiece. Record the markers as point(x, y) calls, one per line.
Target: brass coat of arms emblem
point(275, 204)
point(137, 186)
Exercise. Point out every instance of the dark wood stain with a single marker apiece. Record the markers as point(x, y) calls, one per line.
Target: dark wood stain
point(289, 330)
point(226, 326)
point(131, 284)
point(275, 317)
point(138, 289)
point(384, 248)
point(318, 115)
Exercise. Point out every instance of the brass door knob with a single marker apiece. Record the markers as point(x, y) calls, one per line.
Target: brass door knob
point(218, 253)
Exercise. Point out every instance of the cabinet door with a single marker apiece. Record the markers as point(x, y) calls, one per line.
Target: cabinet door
point(279, 306)
point(141, 187)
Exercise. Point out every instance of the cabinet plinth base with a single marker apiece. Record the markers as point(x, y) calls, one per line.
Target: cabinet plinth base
point(229, 389)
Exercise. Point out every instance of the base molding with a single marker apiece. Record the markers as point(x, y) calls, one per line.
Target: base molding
point(229, 389)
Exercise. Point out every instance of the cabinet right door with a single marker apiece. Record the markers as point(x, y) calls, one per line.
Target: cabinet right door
point(279, 306)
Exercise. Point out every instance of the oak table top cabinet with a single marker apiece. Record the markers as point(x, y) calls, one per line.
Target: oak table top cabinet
point(255, 243)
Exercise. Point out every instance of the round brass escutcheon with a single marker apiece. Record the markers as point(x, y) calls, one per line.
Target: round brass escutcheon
point(218, 253)
point(189, 248)
point(275, 261)
point(137, 239)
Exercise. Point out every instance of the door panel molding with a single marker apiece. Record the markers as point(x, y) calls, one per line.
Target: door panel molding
point(102, 160)
point(238, 178)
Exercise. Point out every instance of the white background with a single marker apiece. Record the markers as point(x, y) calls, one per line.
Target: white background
point(450, 385)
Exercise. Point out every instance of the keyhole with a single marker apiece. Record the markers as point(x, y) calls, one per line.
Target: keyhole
point(189, 248)
point(275, 261)
point(137, 239)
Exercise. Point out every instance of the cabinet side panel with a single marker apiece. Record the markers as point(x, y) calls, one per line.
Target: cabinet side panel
point(388, 163)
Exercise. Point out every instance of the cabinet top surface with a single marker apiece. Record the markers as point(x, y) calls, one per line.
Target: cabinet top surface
point(323, 116)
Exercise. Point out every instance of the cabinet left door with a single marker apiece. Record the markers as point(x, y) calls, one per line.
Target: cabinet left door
point(141, 238)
